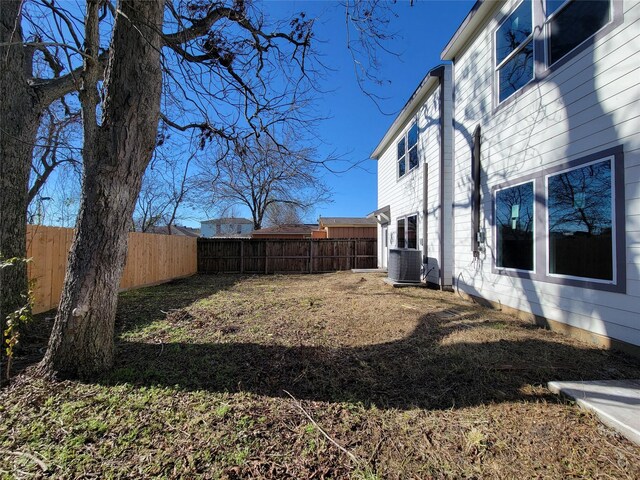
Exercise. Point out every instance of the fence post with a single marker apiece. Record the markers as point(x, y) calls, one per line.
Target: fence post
point(266, 257)
point(241, 255)
point(310, 256)
point(354, 264)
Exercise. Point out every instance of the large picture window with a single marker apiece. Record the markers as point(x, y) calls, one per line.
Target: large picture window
point(408, 151)
point(580, 221)
point(515, 227)
point(564, 225)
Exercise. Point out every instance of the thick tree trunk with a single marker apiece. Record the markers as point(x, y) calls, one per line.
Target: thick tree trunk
point(115, 157)
point(19, 117)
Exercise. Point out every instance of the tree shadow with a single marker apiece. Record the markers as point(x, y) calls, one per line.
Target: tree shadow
point(136, 309)
point(428, 369)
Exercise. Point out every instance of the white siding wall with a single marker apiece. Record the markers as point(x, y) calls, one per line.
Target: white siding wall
point(405, 195)
point(589, 104)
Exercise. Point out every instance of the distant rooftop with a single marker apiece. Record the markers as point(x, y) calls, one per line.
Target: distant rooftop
point(288, 229)
point(347, 222)
point(229, 220)
point(175, 230)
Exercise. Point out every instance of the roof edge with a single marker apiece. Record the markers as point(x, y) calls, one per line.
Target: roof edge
point(431, 79)
point(476, 15)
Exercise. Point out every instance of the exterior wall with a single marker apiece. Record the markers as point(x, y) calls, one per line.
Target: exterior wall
point(586, 105)
point(405, 195)
point(351, 232)
point(210, 229)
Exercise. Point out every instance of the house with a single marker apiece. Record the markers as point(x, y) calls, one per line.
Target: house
point(292, 231)
point(414, 167)
point(346, 227)
point(226, 227)
point(178, 230)
point(545, 159)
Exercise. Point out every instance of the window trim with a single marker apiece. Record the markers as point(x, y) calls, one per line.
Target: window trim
point(614, 226)
point(405, 136)
point(495, 230)
point(619, 284)
point(497, 66)
point(547, 34)
point(541, 67)
point(405, 219)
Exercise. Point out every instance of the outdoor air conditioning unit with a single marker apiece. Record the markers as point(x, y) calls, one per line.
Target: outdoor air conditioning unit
point(404, 265)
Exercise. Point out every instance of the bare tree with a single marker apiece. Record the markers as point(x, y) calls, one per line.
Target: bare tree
point(227, 71)
point(219, 43)
point(264, 175)
point(56, 146)
point(283, 214)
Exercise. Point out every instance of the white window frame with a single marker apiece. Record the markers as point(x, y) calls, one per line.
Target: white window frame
point(405, 136)
point(543, 25)
point(614, 233)
point(495, 228)
point(405, 219)
point(547, 30)
point(497, 67)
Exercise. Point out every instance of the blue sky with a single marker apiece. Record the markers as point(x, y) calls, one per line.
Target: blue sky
point(353, 123)
point(356, 124)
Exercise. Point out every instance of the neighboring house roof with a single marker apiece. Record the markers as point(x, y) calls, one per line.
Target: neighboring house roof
point(479, 12)
point(347, 222)
point(427, 84)
point(175, 230)
point(288, 229)
point(229, 220)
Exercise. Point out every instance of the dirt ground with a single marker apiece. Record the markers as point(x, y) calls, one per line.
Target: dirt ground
point(315, 376)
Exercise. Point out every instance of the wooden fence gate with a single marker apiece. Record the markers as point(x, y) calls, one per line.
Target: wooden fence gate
point(285, 256)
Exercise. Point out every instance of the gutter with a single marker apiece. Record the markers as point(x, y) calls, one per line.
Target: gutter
point(438, 73)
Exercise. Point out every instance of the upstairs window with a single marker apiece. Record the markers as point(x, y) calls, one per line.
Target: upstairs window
point(408, 151)
point(514, 51)
point(571, 22)
point(563, 26)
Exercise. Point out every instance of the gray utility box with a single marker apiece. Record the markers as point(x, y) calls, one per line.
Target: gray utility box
point(404, 265)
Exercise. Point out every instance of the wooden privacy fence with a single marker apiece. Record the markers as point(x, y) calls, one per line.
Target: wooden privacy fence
point(284, 256)
point(151, 259)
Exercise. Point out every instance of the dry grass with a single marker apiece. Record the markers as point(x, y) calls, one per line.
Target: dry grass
point(414, 383)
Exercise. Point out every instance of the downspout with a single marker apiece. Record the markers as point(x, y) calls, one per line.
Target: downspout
point(438, 72)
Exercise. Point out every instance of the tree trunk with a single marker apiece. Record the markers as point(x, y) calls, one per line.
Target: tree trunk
point(115, 156)
point(19, 118)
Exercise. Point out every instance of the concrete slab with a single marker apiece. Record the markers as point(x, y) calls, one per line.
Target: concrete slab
point(369, 270)
point(616, 402)
point(404, 284)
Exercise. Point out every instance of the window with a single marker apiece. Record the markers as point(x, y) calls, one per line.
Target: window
point(580, 221)
point(408, 232)
point(408, 151)
point(514, 227)
point(571, 23)
point(401, 239)
point(514, 51)
point(564, 25)
point(565, 225)
point(412, 231)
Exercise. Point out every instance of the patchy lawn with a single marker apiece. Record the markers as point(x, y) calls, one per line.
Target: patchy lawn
point(411, 383)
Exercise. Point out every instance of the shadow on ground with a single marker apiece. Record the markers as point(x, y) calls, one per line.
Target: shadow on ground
point(136, 309)
point(419, 371)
